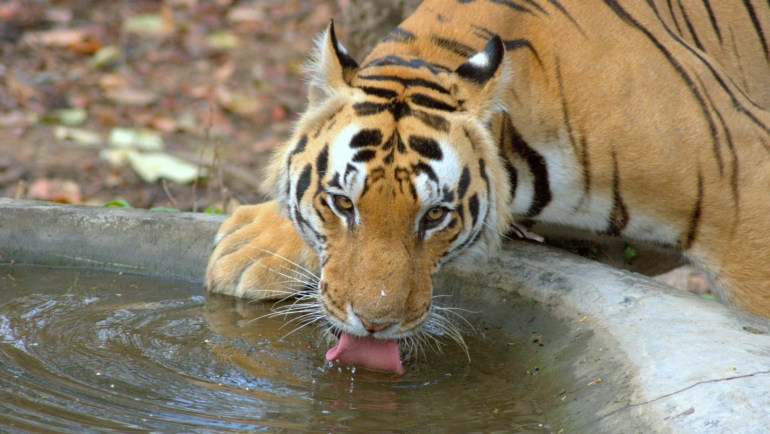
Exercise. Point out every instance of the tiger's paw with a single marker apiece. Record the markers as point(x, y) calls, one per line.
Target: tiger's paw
point(259, 255)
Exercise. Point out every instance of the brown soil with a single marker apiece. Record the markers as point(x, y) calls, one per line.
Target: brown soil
point(217, 78)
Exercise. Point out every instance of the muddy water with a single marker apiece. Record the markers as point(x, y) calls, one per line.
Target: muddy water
point(82, 350)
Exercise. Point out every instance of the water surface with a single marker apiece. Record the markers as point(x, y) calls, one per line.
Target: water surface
point(86, 351)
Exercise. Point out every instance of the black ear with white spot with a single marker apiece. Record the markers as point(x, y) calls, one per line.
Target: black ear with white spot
point(331, 69)
point(343, 57)
point(482, 66)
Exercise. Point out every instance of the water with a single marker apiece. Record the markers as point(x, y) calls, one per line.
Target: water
point(86, 351)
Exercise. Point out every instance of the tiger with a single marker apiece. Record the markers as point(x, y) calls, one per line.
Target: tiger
point(643, 120)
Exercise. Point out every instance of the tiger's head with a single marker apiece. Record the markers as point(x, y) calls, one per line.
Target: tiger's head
point(392, 172)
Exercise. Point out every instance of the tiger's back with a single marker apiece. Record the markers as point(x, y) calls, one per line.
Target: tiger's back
point(630, 119)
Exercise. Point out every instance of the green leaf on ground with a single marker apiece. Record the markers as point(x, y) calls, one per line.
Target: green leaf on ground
point(70, 116)
point(629, 253)
point(213, 209)
point(117, 203)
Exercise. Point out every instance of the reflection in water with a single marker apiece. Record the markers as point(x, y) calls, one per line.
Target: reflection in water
point(81, 349)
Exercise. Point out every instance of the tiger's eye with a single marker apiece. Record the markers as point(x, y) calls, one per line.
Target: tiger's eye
point(343, 202)
point(435, 213)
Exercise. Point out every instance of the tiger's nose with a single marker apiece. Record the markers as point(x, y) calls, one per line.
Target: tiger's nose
point(373, 327)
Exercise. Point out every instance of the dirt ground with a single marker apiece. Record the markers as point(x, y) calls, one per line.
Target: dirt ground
point(217, 81)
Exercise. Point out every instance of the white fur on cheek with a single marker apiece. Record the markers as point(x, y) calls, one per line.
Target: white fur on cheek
point(447, 171)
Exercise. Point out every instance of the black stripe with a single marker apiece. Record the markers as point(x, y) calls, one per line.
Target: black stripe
point(365, 138)
point(512, 5)
point(426, 147)
point(436, 122)
point(402, 176)
point(585, 162)
point(537, 165)
point(321, 164)
point(510, 44)
point(335, 181)
point(448, 195)
point(303, 183)
point(473, 207)
point(757, 26)
point(483, 173)
point(673, 17)
point(380, 92)
point(349, 170)
point(564, 111)
point(713, 20)
point(364, 156)
point(618, 219)
point(299, 148)
point(536, 6)
point(421, 167)
point(690, 28)
point(432, 103)
point(628, 19)
point(731, 148)
point(407, 82)
point(465, 182)
point(736, 104)
point(399, 110)
point(505, 134)
point(515, 44)
point(400, 35)
point(374, 175)
point(696, 215)
point(456, 47)
point(561, 9)
point(412, 63)
point(367, 108)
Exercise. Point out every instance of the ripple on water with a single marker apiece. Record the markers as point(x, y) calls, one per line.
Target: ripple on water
point(85, 350)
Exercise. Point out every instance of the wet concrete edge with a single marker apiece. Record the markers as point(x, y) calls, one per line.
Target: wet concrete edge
point(668, 361)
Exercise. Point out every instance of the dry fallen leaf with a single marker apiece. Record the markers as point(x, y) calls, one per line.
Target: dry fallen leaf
point(56, 190)
point(55, 38)
point(147, 140)
point(77, 135)
point(131, 97)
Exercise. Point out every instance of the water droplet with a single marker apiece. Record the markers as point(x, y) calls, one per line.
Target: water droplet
point(353, 370)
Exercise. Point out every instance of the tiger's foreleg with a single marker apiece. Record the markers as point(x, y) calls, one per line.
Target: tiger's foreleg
point(259, 255)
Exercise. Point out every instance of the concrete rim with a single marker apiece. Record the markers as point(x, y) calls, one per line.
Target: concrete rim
point(672, 361)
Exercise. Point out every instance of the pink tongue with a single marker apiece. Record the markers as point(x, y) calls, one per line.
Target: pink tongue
point(379, 354)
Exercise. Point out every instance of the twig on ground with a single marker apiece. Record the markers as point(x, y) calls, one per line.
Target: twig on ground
point(20, 188)
point(168, 193)
point(200, 157)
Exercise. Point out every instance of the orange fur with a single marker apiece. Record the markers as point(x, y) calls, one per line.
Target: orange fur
point(617, 117)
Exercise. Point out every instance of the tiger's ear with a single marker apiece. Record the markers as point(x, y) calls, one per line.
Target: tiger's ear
point(481, 79)
point(331, 69)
